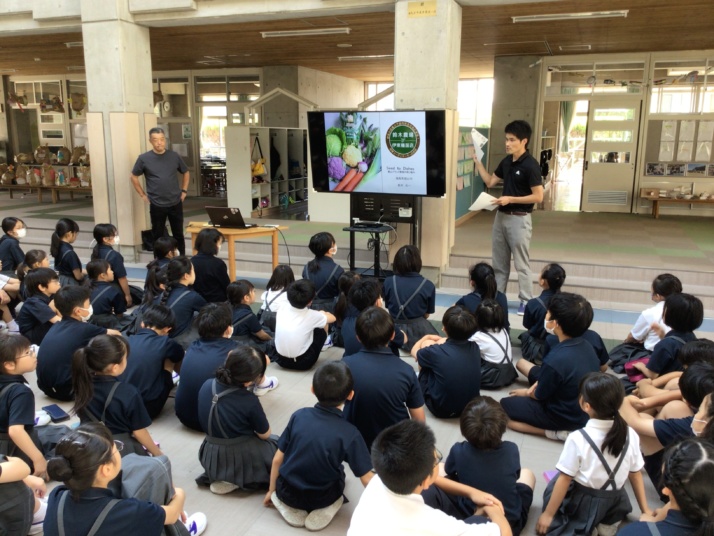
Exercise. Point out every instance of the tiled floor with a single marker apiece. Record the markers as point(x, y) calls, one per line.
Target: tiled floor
point(687, 243)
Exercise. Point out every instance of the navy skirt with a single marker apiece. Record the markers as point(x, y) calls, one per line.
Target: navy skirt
point(415, 329)
point(244, 461)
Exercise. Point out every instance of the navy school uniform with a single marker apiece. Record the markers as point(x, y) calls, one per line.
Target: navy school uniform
point(184, 302)
point(325, 281)
point(145, 367)
point(472, 300)
point(450, 376)
point(54, 359)
point(349, 334)
point(315, 443)
point(664, 356)
point(675, 524)
point(202, 359)
point(11, 254)
point(66, 262)
point(115, 260)
point(123, 414)
point(232, 452)
point(107, 299)
point(127, 516)
point(534, 316)
point(590, 336)
point(397, 290)
point(18, 505)
point(668, 432)
point(384, 386)
point(34, 317)
point(17, 407)
point(493, 471)
point(245, 322)
point(556, 406)
point(211, 277)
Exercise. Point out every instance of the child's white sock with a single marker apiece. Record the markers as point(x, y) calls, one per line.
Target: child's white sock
point(13, 327)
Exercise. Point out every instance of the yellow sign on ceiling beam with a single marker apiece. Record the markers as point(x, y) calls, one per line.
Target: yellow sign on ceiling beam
point(421, 9)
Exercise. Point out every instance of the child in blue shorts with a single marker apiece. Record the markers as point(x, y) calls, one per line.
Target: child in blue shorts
point(38, 312)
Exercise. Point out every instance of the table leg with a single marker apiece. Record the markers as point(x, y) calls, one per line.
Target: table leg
point(655, 208)
point(232, 258)
point(71, 195)
point(55, 197)
point(10, 190)
point(275, 248)
point(39, 194)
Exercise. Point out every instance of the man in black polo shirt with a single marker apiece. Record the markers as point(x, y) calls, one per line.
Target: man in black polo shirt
point(522, 188)
point(159, 167)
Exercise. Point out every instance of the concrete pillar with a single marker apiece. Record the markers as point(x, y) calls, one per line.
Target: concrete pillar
point(282, 111)
point(427, 49)
point(120, 112)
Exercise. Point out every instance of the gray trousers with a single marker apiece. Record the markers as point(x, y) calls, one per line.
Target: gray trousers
point(512, 236)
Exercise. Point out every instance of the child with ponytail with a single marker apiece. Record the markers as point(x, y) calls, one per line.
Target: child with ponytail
point(107, 301)
point(238, 450)
point(533, 339)
point(35, 258)
point(483, 282)
point(106, 236)
point(588, 492)
point(100, 397)
point(67, 263)
point(182, 300)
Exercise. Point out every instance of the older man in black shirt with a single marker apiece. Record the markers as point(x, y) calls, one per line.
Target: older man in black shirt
point(159, 167)
point(522, 188)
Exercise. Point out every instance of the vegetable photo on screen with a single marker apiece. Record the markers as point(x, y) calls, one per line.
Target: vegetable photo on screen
point(352, 151)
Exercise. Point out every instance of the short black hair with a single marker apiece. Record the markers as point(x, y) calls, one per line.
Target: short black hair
point(238, 290)
point(207, 241)
point(459, 324)
point(573, 313)
point(37, 277)
point(407, 260)
point(683, 312)
point(483, 423)
point(9, 223)
point(520, 129)
point(96, 268)
point(156, 130)
point(164, 245)
point(158, 316)
point(696, 382)
point(666, 284)
point(364, 293)
point(693, 351)
point(374, 328)
point(404, 456)
point(213, 320)
point(301, 293)
point(332, 383)
point(490, 316)
point(69, 297)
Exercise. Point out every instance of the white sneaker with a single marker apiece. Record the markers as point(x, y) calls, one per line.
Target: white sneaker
point(42, 418)
point(38, 519)
point(196, 523)
point(221, 487)
point(320, 518)
point(13, 327)
point(271, 382)
point(292, 516)
point(328, 343)
point(557, 435)
point(607, 530)
point(175, 377)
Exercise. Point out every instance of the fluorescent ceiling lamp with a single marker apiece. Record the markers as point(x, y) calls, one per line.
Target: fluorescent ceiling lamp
point(366, 58)
point(572, 16)
point(306, 33)
point(75, 67)
point(74, 44)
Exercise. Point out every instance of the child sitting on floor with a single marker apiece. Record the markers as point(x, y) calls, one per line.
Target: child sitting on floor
point(663, 286)
point(246, 326)
point(494, 343)
point(323, 271)
point(275, 296)
point(38, 313)
point(107, 301)
point(483, 282)
point(67, 262)
point(533, 339)
point(26, 494)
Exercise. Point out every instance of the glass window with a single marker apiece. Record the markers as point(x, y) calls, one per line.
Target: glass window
point(614, 114)
point(610, 157)
point(48, 90)
point(171, 97)
point(612, 135)
point(680, 87)
point(77, 98)
point(211, 89)
point(213, 129)
point(27, 90)
point(616, 78)
point(243, 88)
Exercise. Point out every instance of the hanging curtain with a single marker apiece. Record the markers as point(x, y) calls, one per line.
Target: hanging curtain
point(567, 112)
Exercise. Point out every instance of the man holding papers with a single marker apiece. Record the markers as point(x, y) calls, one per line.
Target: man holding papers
point(522, 188)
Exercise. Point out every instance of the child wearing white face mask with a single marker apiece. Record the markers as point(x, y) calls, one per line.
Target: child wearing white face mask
point(211, 272)
point(107, 236)
point(323, 272)
point(11, 254)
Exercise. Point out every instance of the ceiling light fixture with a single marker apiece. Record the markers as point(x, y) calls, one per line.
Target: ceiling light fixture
point(306, 33)
point(565, 48)
point(344, 45)
point(366, 58)
point(572, 16)
point(8, 71)
point(74, 44)
point(75, 67)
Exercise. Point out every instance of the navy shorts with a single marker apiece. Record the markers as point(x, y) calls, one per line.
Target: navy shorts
point(527, 410)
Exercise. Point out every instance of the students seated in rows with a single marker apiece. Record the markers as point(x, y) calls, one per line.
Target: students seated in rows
point(300, 332)
point(18, 486)
point(590, 336)
point(202, 359)
point(275, 296)
point(107, 236)
point(11, 254)
point(9, 292)
point(449, 368)
point(34, 258)
point(211, 272)
point(106, 301)
point(663, 286)
point(164, 251)
point(483, 282)
point(323, 271)
point(154, 358)
point(246, 326)
point(67, 263)
point(307, 479)
point(683, 313)
point(238, 449)
point(100, 397)
point(405, 498)
point(38, 313)
point(494, 343)
point(551, 404)
point(486, 462)
point(54, 359)
point(386, 389)
point(410, 297)
point(533, 340)
point(364, 293)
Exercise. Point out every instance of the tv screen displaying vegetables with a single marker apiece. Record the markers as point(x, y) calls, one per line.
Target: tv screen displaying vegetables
point(402, 153)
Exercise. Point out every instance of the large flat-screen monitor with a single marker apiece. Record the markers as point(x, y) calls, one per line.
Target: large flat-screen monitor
point(398, 153)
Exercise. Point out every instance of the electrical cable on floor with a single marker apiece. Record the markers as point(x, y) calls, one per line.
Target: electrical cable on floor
point(287, 249)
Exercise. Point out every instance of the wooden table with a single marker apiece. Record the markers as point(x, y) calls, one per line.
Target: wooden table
point(653, 195)
point(71, 190)
point(238, 234)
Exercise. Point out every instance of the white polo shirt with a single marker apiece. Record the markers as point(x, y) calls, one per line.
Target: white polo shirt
point(279, 299)
point(293, 329)
point(381, 511)
point(642, 330)
point(490, 351)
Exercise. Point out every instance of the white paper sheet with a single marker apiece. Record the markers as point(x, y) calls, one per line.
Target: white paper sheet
point(669, 129)
point(704, 151)
point(479, 140)
point(706, 131)
point(483, 202)
point(684, 151)
point(686, 130)
point(666, 151)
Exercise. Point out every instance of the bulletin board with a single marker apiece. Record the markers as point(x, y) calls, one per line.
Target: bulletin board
point(679, 148)
point(468, 183)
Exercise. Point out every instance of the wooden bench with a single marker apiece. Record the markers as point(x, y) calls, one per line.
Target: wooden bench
point(652, 194)
point(54, 190)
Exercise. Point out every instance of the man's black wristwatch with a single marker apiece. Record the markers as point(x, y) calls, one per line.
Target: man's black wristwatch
point(184, 191)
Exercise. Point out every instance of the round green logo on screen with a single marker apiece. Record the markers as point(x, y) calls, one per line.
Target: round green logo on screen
point(403, 139)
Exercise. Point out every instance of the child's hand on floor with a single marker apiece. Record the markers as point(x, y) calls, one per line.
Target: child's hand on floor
point(544, 522)
point(267, 501)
